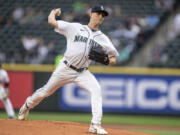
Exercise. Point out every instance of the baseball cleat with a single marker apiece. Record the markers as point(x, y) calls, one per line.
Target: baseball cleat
point(97, 129)
point(12, 117)
point(23, 112)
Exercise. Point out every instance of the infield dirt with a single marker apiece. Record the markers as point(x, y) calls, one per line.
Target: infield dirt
point(37, 127)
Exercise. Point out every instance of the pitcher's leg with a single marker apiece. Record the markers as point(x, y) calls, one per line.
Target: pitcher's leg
point(96, 105)
point(86, 80)
point(38, 96)
point(59, 77)
point(48, 89)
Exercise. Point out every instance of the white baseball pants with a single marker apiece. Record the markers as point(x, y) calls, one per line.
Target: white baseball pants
point(7, 103)
point(64, 75)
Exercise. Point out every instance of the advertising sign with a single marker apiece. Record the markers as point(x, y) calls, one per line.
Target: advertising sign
point(157, 94)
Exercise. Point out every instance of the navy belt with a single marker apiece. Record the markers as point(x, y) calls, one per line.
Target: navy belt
point(74, 68)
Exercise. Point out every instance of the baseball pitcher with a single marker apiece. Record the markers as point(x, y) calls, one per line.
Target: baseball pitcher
point(4, 92)
point(84, 44)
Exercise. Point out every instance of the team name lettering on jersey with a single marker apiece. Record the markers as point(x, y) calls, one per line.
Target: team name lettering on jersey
point(79, 38)
point(92, 42)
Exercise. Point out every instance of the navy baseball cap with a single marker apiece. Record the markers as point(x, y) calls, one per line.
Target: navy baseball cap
point(99, 8)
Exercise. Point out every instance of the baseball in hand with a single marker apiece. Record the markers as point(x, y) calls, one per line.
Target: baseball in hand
point(58, 11)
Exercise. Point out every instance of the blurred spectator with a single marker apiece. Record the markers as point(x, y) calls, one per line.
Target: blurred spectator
point(2, 56)
point(51, 49)
point(29, 16)
point(152, 21)
point(125, 38)
point(39, 17)
point(6, 20)
point(116, 11)
point(18, 14)
point(9, 20)
point(168, 4)
point(29, 43)
point(158, 55)
point(133, 26)
point(68, 16)
point(123, 31)
point(148, 24)
point(175, 31)
point(41, 53)
point(2, 19)
point(164, 4)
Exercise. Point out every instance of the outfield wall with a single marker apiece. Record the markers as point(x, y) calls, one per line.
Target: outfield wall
point(125, 90)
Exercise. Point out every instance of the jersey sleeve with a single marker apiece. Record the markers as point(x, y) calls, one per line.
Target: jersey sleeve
point(64, 28)
point(109, 47)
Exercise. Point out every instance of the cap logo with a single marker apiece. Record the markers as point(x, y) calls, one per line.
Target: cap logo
point(102, 8)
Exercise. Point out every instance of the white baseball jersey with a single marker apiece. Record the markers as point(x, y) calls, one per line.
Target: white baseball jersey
point(3, 76)
point(79, 40)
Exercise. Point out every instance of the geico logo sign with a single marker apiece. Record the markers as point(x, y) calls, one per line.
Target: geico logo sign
point(129, 93)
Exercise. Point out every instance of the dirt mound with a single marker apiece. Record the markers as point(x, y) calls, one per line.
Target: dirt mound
point(37, 127)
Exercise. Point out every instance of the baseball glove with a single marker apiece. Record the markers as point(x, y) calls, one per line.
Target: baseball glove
point(97, 54)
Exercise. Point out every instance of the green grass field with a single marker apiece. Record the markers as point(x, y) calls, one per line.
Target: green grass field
point(112, 119)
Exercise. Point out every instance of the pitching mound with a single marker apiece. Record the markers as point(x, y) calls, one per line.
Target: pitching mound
point(36, 127)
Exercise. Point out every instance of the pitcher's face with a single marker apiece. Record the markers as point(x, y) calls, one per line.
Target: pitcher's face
point(97, 17)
